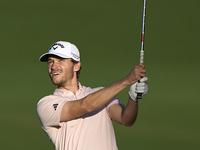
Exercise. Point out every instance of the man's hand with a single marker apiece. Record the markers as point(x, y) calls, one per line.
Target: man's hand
point(136, 74)
point(138, 88)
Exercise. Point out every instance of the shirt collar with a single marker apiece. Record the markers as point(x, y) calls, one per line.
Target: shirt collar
point(64, 92)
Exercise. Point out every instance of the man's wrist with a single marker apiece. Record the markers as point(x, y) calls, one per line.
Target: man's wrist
point(133, 99)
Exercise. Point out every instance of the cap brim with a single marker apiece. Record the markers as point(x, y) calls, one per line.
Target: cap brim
point(44, 57)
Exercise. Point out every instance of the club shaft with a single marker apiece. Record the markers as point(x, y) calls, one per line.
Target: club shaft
point(143, 28)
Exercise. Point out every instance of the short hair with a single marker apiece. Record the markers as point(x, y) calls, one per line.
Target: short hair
point(78, 72)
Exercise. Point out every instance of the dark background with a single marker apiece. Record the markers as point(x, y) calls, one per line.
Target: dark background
point(108, 35)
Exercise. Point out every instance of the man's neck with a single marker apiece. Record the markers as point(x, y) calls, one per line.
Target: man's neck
point(73, 87)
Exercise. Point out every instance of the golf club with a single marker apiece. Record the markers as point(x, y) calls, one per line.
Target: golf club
point(139, 95)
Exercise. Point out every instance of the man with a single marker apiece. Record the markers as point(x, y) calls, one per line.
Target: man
point(76, 117)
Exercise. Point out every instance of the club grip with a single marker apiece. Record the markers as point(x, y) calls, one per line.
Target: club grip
point(139, 95)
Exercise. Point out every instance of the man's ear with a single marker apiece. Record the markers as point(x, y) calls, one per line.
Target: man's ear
point(77, 66)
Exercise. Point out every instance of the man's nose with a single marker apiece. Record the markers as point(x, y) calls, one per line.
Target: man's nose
point(54, 65)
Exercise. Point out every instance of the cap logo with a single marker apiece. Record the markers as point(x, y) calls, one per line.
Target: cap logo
point(55, 46)
point(75, 56)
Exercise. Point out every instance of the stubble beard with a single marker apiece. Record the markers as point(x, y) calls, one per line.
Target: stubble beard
point(61, 81)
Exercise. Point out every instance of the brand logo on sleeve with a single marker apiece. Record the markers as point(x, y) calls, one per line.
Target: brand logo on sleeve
point(55, 106)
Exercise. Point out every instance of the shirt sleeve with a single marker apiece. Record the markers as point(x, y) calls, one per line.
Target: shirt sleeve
point(49, 110)
point(112, 102)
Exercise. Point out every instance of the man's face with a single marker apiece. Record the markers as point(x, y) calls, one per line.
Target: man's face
point(61, 70)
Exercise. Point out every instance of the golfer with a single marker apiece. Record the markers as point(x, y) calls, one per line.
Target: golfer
point(76, 117)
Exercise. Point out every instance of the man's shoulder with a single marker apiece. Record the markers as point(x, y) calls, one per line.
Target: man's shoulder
point(49, 98)
point(89, 90)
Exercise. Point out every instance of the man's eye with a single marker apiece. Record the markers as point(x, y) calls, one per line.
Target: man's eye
point(50, 61)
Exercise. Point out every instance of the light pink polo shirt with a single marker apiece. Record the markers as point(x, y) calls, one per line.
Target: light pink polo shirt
point(92, 131)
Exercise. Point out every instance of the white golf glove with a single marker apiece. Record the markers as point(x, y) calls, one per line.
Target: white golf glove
point(138, 88)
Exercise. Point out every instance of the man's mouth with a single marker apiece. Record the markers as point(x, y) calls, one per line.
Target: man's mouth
point(55, 73)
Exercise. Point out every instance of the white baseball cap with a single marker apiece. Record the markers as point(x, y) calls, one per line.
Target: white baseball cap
point(62, 49)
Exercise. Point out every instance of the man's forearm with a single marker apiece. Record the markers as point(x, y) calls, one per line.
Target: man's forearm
point(129, 114)
point(102, 97)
